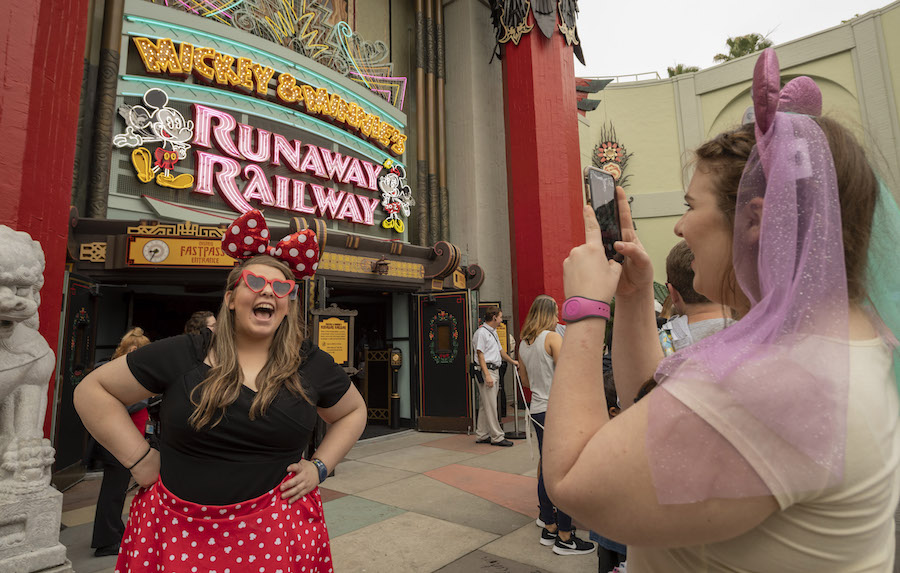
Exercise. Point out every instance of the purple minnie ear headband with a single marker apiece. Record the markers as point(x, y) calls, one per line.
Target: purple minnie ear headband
point(800, 95)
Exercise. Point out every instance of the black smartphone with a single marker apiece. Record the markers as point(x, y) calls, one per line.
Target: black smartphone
point(600, 188)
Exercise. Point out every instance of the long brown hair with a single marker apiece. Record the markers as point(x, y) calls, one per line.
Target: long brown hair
point(222, 385)
point(541, 317)
point(726, 155)
point(133, 338)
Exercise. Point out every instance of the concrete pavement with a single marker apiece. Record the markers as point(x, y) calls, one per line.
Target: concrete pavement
point(410, 502)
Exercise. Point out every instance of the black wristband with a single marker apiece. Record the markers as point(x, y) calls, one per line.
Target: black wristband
point(321, 467)
point(140, 459)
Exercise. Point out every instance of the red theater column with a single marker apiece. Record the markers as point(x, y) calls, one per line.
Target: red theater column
point(543, 164)
point(41, 70)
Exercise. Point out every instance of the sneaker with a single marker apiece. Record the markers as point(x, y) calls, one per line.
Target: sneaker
point(503, 443)
point(620, 568)
point(483, 440)
point(574, 546)
point(547, 537)
point(540, 522)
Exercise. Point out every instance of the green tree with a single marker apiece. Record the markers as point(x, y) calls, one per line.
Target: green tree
point(681, 69)
point(739, 46)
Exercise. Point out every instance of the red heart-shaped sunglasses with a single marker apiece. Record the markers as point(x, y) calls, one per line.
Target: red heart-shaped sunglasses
point(280, 287)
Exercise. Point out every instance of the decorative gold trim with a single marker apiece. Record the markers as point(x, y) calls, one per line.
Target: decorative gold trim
point(378, 413)
point(93, 252)
point(378, 355)
point(185, 229)
point(363, 265)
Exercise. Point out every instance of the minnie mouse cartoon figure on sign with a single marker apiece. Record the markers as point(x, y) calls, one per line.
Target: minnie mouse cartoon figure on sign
point(162, 124)
point(396, 196)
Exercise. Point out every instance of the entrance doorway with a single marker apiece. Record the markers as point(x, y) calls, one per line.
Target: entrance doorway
point(372, 341)
point(164, 315)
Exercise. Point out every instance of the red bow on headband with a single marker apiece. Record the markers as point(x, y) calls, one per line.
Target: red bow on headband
point(248, 236)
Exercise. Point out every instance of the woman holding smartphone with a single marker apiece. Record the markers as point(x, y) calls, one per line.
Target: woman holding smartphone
point(772, 445)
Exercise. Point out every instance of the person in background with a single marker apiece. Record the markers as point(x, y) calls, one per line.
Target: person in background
point(488, 355)
point(198, 320)
point(694, 316)
point(538, 352)
point(108, 525)
point(502, 398)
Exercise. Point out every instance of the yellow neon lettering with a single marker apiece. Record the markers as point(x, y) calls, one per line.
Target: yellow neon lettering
point(244, 74)
point(201, 68)
point(263, 75)
point(287, 88)
point(159, 57)
point(224, 73)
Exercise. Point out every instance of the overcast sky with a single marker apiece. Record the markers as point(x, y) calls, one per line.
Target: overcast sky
point(635, 36)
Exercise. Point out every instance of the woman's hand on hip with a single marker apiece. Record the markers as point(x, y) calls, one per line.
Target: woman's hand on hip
point(637, 270)
point(587, 272)
point(306, 478)
point(146, 471)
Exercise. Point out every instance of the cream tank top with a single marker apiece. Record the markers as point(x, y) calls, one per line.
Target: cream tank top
point(539, 365)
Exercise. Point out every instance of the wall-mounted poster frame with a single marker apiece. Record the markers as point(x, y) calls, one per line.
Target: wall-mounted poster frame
point(333, 333)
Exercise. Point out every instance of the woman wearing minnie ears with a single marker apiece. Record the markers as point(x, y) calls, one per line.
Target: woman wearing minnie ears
point(228, 489)
point(774, 444)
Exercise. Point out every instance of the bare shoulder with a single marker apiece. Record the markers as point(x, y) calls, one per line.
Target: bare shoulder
point(552, 342)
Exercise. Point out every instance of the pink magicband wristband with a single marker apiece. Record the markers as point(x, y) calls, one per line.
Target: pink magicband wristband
point(578, 308)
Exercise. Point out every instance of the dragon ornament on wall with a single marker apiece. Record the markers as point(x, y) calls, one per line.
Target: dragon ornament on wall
point(511, 20)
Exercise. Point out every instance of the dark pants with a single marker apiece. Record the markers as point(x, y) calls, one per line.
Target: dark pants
point(501, 410)
point(549, 514)
point(607, 560)
point(108, 526)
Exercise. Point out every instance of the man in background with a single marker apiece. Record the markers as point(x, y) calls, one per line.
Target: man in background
point(694, 316)
point(489, 355)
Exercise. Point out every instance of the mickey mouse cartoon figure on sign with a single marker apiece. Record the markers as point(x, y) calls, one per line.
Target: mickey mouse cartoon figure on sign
point(162, 124)
point(396, 196)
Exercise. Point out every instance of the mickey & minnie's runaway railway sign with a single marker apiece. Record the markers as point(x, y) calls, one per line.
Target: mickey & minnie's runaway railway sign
point(227, 152)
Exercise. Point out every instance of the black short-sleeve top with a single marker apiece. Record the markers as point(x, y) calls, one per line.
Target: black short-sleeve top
point(239, 458)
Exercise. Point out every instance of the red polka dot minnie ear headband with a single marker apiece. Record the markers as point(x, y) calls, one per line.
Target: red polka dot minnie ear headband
point(248, 236)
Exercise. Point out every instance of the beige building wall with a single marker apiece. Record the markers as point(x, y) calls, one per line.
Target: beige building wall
point(476, 148)
point(644, 113)
point(856, 65)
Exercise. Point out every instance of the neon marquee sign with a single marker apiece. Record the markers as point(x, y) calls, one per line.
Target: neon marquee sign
point(249, 77)
point(259, 146)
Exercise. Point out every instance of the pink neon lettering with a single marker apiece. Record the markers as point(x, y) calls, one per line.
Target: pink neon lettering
point(372, 170)
point(258, 185)
point(312, 163)
point(327, 204)
point(368, 208)
point(224, 179)
point(299, 194)
point(203, 117)
point(350, 209)
point(282, 188)
point(245, 143)
point(291, 154)
point(355, 175)
point(335, 164)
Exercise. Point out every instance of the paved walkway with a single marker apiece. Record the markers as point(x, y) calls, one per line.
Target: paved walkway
point(412, 502)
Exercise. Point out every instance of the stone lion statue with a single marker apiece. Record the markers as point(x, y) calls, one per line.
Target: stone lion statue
point(26, 364)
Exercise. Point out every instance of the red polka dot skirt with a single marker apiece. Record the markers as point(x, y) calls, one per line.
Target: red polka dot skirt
point(264, 535)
